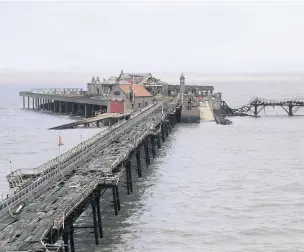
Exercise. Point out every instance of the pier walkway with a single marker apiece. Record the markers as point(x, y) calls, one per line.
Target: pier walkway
point(44, 207)
point(206, 111)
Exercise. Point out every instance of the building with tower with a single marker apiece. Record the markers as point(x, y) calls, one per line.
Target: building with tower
point(182, 84)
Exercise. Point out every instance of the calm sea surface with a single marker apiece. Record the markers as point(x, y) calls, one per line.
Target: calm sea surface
point(212, 188)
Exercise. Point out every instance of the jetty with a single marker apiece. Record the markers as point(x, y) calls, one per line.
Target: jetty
point(39, 216)
point(106, 119)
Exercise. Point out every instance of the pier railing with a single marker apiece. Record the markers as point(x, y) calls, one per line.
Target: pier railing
point(60, 91)
point(60, 169)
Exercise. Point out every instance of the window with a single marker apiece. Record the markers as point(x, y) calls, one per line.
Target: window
point(139, 105)
point(146, 104)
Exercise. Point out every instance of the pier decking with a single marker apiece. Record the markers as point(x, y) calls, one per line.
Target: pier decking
point(63, 188)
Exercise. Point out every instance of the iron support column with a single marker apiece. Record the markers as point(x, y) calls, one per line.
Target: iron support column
point(117, 198)
point(65, 237)
point(23, 98)
point(114, 199)
point(139, 172)
point(169, 126)
point(94, 220)
point(147, 157)
point(73, 108)
point(167, 130)
point(72, 244)
point(255, 110)
point(130, 177)
point(163, 132)
point(128, 168)
point(97, 199)
point(158, 141)
point(78, 109)
point(290, 110)
point(153, 147)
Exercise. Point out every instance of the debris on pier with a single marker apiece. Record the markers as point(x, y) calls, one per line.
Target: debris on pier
point(220, 118)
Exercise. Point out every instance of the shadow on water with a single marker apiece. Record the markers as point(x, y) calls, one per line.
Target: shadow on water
point(116, 229)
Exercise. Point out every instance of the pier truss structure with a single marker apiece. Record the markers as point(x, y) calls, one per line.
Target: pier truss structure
point(256, 105)
point(40, 215)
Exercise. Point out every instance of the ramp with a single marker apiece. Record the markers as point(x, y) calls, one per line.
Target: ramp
point(206, 112)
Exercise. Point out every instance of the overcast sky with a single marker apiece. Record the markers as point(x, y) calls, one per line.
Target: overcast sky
point(185, 36)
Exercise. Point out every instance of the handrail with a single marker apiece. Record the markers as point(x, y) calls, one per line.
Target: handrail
point(56, 90)
point(64, 168)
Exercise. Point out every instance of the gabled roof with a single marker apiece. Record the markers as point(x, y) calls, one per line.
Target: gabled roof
point(139, 90)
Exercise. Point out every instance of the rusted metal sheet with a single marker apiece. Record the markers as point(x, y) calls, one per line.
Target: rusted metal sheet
point(116, 107)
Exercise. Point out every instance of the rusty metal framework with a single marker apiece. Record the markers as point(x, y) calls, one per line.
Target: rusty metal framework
point(256, 105)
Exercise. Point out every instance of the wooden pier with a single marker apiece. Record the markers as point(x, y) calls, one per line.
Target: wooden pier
point(107, 119)
point(40, 215)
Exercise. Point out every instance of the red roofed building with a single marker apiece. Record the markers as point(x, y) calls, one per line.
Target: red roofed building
point(127, 97)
